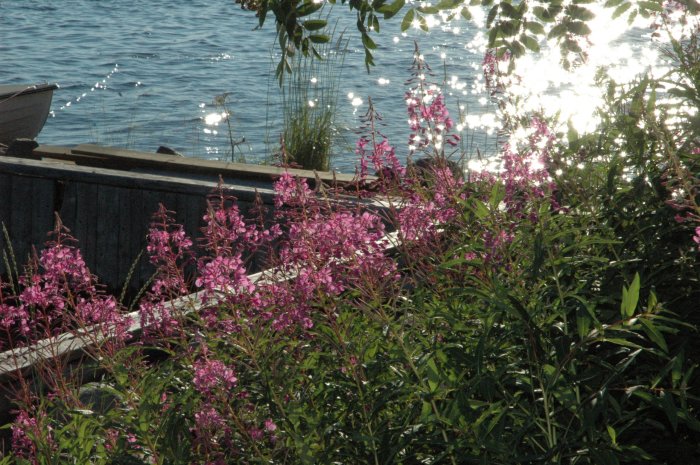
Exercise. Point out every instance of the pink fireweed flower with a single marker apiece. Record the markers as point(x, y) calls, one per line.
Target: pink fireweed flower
point(212, 375)
point(26, 432)
point(59, 294)
point(256, 434)
point(291, 191)
point(228, 236)
point(270, 425)
point(224, 274)
point(428, 117)
point(170, 251)
point(208, 419)
point(696, 238)
point(383, 158)
point(525, 172)
point(493, 74)
point(326, 249)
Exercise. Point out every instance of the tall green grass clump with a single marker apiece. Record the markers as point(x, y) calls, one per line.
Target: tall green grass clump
point(309, 99)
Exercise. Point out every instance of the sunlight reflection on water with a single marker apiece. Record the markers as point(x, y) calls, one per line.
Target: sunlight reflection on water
point(137, 85)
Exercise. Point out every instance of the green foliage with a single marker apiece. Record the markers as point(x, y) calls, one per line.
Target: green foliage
point(575, 342)
point(512, 26)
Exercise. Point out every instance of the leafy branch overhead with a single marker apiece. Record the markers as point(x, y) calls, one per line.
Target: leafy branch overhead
point(514, 27)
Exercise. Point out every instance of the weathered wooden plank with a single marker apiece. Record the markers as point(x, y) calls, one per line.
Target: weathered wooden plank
point(150, 203)
point(137, 229)
point(151, 182)
point(107, 237)
point(190, 209)
point(124, 258)
point(134, 159)
point(43, 192)
point(68, 206)
point(20, 227)
point(5, 209)
point(86, 225)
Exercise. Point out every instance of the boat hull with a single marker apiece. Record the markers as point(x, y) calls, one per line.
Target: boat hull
point(23, 110)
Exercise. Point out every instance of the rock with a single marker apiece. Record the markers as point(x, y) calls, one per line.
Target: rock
point(168, 151)
point(22, 148)
point(97, 398)
point(424, 168)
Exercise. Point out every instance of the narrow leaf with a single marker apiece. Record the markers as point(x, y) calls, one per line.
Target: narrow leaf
point(630, 297)
point(408, 19)
point(654, 334)
point(314, 24)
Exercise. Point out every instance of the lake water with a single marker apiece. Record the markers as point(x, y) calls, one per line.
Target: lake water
point(142, 74)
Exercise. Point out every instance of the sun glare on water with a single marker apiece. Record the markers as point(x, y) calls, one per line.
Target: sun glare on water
point(539, 84)
point(622, 51)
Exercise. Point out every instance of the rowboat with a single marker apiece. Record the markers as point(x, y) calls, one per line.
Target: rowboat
point(23, 110)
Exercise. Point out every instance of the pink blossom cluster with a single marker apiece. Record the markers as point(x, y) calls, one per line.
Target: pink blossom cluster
point(525, 173)
point(327, 247)
point(213, 375)
point(383, 158)
point(323, 247)
point(428, 117)
point(26, 433)
point(493, 74)
point(169, 249)
point(57, 293)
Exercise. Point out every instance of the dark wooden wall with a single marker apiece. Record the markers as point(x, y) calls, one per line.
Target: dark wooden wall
point(107, 211)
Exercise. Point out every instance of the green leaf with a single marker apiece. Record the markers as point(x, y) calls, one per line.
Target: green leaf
point(480, 209)
point(368, 42)
point(630, 297)
point(612, 434)
point(534, 27)
point(578, 27)
point(571, 45)
point(429, 10)
point(583, 322)
point(498, 193)
point(509, 28)
point(426, 411)
point(654, 334)
point(517, 48)
point(530, 43)
point(423, 24)
point(538, 255)
point(676, 371)
point(557, 31)
point(407, 20)
point(670, 408)
point(319, 38)
point(621, 9)
point(307, 8)
point(650, 6)
point(548, 14)
point(466, 14)
point(314, 24)
point(508, 10)
point(579, 12)
point(448, 4)
point(612, 3)
point(491, 16)
point(493, 35)
point(433, 375)
point(391, 9)
point(621, 342)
